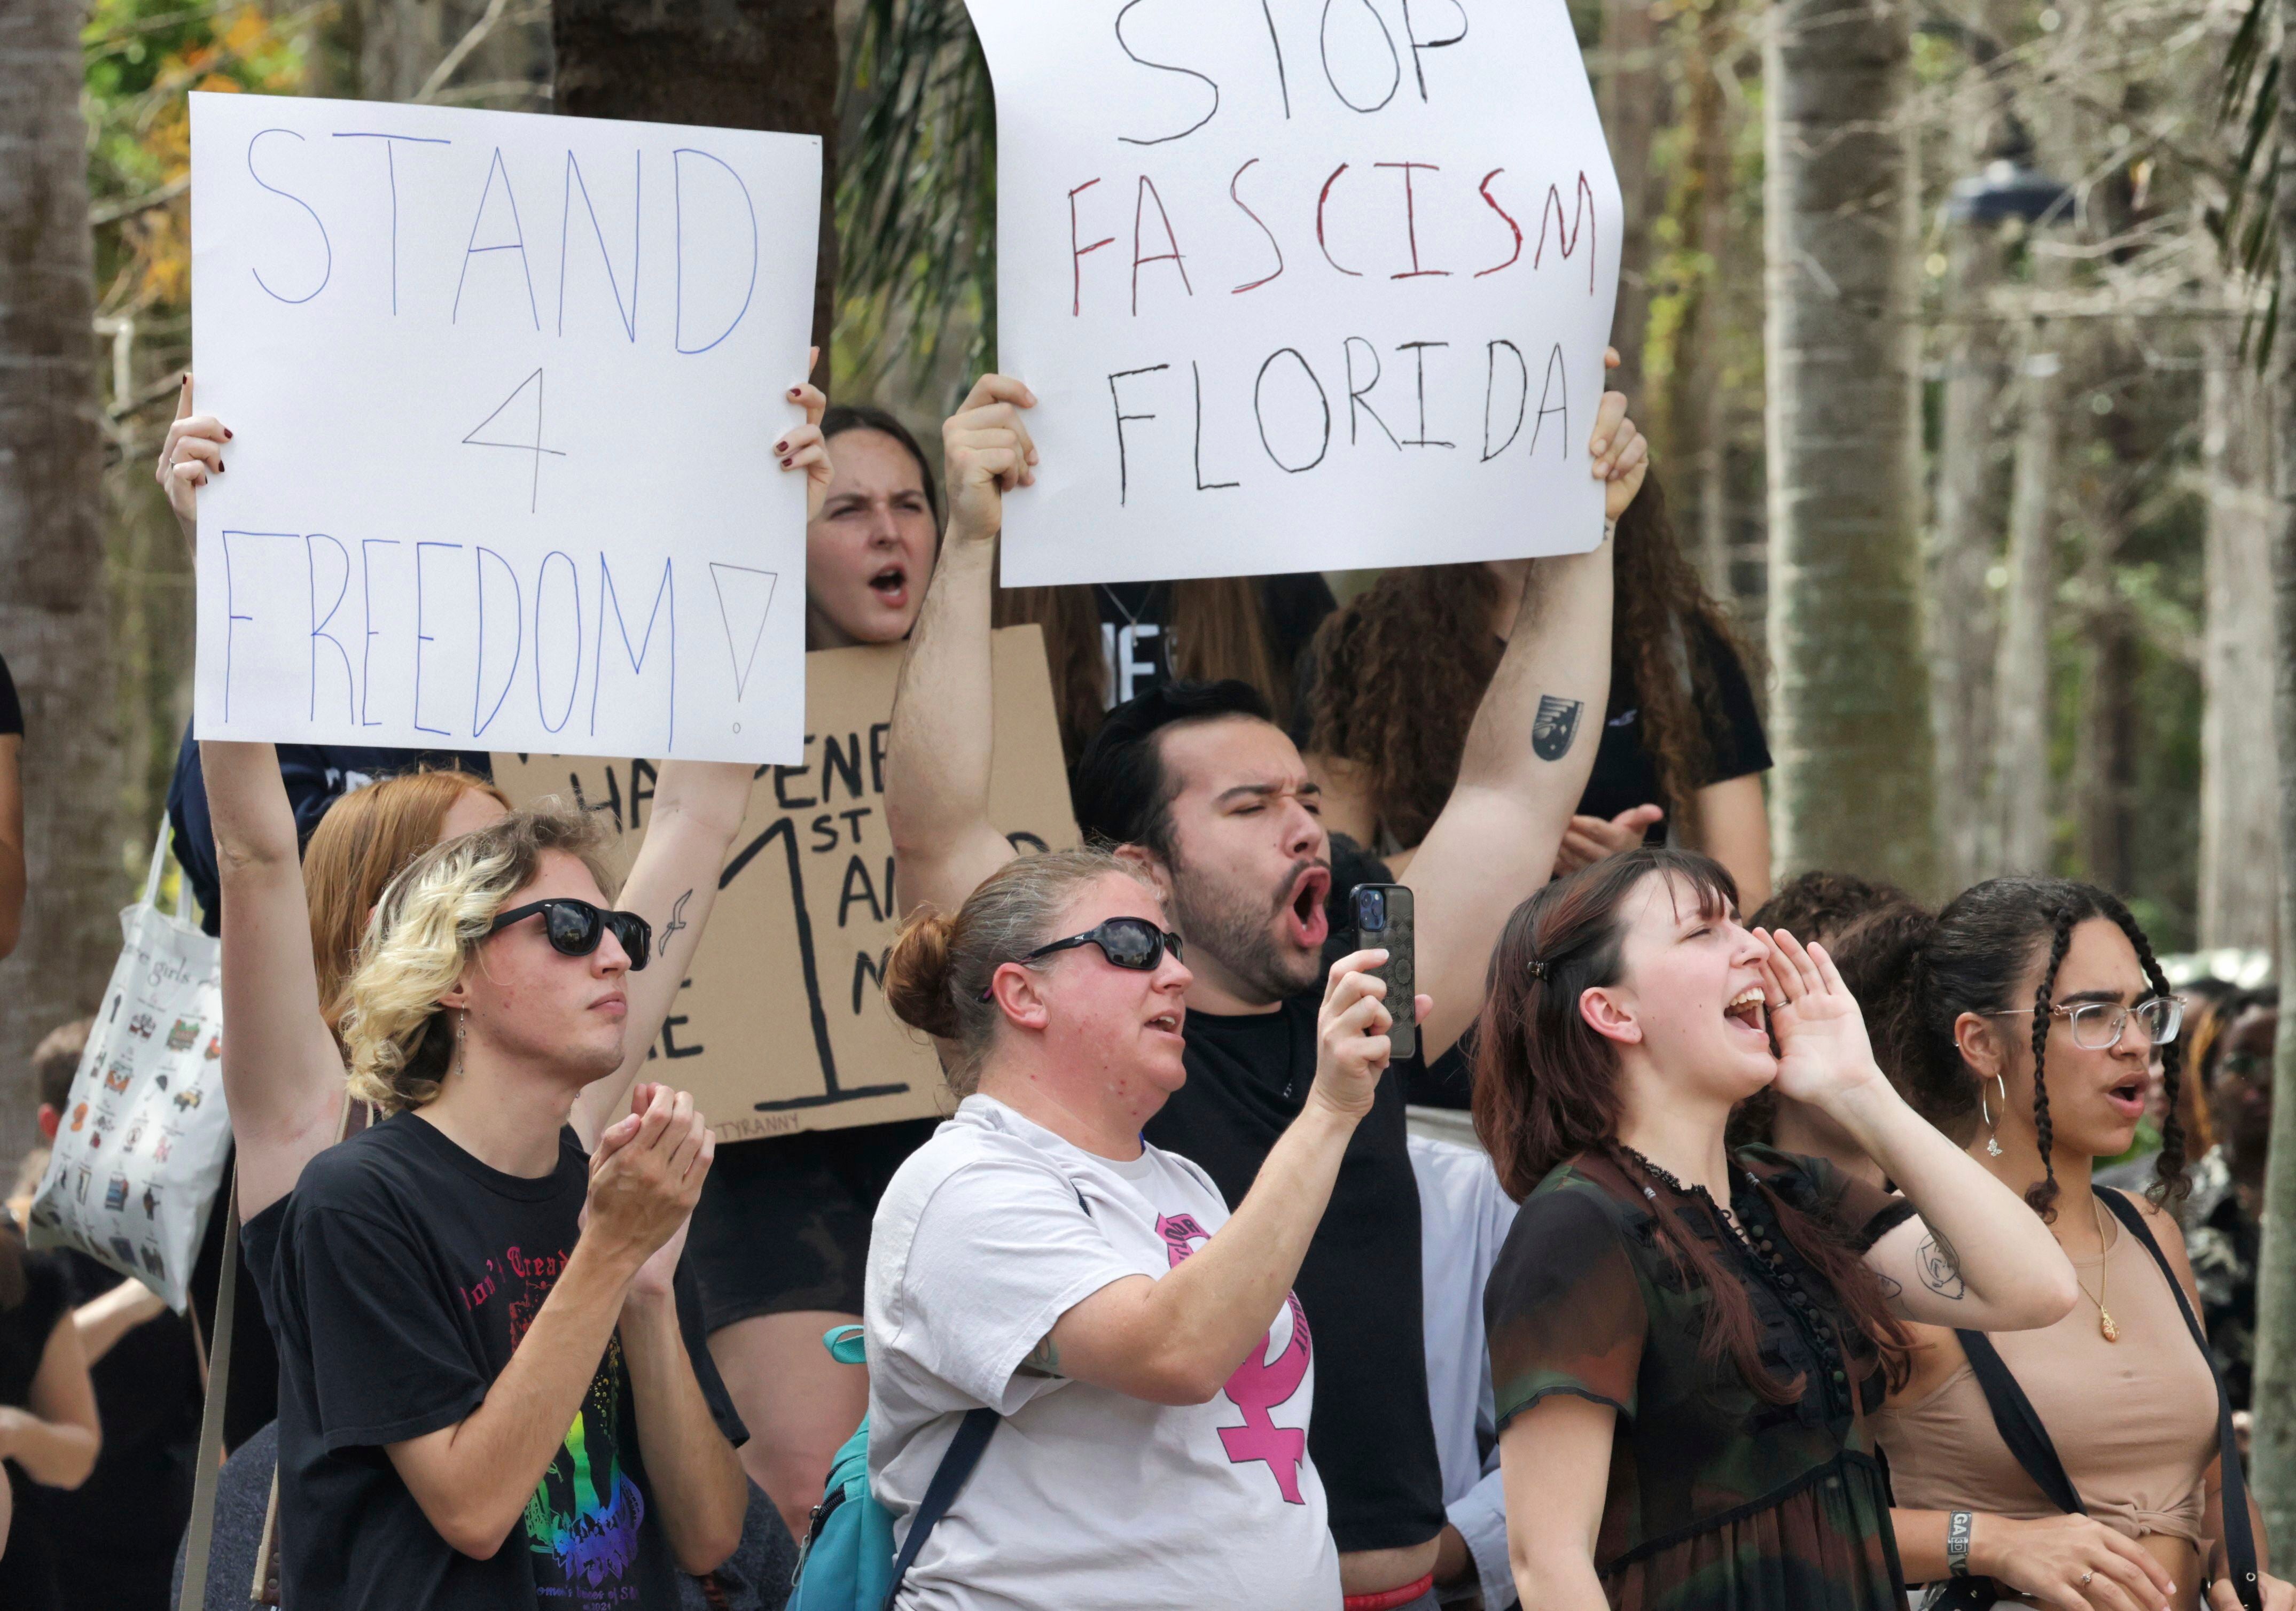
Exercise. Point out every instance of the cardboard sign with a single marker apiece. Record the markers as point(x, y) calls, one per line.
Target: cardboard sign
point(1299, 284)
point(781, 1024)
point(503, 391)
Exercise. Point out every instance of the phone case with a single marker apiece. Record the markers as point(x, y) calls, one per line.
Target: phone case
point(1398, 939)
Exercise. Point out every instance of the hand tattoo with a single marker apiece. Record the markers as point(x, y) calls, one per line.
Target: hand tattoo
point(1554, 726)
point(1044, 1358)
point(677, 919)
point(1940, 1269)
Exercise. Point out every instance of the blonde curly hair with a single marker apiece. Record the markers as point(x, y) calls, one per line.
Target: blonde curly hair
point(426, 928)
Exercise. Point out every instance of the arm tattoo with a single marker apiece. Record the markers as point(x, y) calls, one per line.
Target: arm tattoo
point(1044, 1358)
point(676, 918)
point(1555, 724)
point(1940, 1269)
point(1891, 1287)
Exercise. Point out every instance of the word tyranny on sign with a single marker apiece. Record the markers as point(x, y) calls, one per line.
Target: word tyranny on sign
point(1299, 283)
point(502, 392)
point(781, 1024)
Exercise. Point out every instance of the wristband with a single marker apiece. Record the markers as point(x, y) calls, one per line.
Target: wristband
point(1957, 1542)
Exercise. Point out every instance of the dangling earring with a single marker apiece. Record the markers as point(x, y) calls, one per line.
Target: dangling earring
point(1993, 1125)
point(462, 1022)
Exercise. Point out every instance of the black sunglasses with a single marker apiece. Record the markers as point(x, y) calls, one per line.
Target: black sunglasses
point(1128, 942)
point(575, 927)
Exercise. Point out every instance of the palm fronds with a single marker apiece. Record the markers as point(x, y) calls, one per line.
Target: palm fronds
point(916, 189)
point(2246, 229)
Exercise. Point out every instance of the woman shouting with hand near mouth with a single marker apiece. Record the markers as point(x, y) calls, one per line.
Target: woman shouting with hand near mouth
point(1686, 1342)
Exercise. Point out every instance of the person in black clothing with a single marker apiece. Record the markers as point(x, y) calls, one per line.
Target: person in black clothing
point(1110, 642)
point(11, 813)
point(49, 1435)
point(494, 1388)
point(1198, 785)
point(120, 1527)
point(1391, 681)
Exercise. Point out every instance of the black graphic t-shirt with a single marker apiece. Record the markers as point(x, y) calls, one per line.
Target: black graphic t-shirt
point(1135, 627)
point(1625, 773)
point(1370, 1431)
point(404, 1274)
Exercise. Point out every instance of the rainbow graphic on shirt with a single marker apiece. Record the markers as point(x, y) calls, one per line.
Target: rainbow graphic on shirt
point(583, 1521)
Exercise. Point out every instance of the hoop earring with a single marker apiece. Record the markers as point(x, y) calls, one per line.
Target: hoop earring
point(1992, 1125)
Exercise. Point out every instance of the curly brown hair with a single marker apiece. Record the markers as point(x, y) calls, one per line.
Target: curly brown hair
point(1396, 673)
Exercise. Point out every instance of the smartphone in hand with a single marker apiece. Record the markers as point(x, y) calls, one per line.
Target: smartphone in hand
point(1383, 921)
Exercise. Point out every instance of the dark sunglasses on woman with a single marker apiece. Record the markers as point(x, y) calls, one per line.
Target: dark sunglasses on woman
point(575, 926)
point(1128, 942)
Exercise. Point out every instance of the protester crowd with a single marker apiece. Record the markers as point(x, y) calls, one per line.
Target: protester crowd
point(1809, 1254)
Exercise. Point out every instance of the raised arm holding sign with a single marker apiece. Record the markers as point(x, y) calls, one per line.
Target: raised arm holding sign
point(1307, 284)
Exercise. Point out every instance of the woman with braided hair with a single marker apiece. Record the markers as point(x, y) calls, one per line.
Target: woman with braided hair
point(2036, 1004)
point(1686, 1340)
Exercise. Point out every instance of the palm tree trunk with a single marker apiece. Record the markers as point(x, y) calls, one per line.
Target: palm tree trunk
point(2239, 878)
point(2021, 682)
point(1632, 89)
point(52, 610)
point(1854, 789)
point(1972, 501)
point(767, 64)
point(2271, 1457)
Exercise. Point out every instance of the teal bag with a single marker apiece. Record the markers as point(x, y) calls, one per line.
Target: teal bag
point(847, 1562)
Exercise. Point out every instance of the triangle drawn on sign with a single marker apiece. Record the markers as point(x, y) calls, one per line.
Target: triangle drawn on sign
point(744, 598)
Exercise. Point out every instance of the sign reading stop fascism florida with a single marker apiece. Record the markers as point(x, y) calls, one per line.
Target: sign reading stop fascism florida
point(1299, 283)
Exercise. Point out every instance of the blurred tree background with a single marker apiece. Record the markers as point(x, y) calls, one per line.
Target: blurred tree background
point(2042, 484)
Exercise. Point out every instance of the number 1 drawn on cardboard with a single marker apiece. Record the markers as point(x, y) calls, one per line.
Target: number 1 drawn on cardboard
point(532, 382)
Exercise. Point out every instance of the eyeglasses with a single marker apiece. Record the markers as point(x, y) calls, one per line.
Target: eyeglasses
point(2099, 1025)
point(1134, 943)
point(575, 926)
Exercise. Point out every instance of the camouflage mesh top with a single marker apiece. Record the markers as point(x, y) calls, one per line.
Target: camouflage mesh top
point(1717, 1496)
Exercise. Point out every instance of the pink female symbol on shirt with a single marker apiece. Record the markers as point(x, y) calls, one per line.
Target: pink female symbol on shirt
point(1259, 1384)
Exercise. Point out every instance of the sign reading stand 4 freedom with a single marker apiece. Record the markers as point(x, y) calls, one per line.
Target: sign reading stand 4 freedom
point(1300, 284)
point(503, 391)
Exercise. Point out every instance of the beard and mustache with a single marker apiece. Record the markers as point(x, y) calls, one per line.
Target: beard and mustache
point(1224, 922)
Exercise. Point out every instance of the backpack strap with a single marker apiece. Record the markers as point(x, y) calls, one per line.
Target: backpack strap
point(2019, 1424)
point(965, 1451)
point(2240, 1538)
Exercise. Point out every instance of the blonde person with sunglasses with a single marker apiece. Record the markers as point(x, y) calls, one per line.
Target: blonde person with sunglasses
point(2036, 1008)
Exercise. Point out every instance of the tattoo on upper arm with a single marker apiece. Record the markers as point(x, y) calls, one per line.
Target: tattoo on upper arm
point(1891, 1287)
point(676, 918)
point(1044, 1358)
point(1554, 726)
point(1937, 1266)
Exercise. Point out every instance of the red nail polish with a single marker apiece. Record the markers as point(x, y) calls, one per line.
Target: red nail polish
point(781, 447)
point(227, 434)
point(785, 464)
point(218, 466)
point(794, 390)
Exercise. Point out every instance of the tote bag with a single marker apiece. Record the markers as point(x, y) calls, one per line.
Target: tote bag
point(140, 1153)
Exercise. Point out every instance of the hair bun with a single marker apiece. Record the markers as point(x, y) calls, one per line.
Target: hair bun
point(917, 985)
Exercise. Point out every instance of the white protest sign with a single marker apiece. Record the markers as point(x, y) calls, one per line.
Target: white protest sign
point(503, 391)
point(1299, 284)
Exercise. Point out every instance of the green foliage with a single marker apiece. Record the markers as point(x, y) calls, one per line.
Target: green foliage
point(916, 191)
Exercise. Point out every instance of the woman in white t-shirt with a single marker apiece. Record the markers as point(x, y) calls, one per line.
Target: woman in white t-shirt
point(1038, 1258)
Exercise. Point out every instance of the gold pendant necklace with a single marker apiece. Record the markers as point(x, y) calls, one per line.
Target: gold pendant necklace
point(2111, 1332)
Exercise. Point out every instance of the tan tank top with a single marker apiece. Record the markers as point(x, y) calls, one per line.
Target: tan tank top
point(2135, 1421)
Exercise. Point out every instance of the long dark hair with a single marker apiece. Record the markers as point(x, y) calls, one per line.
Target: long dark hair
point(1981, 942)
point(1220, 633)
point(1547, 1091)
point(1398, 673)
